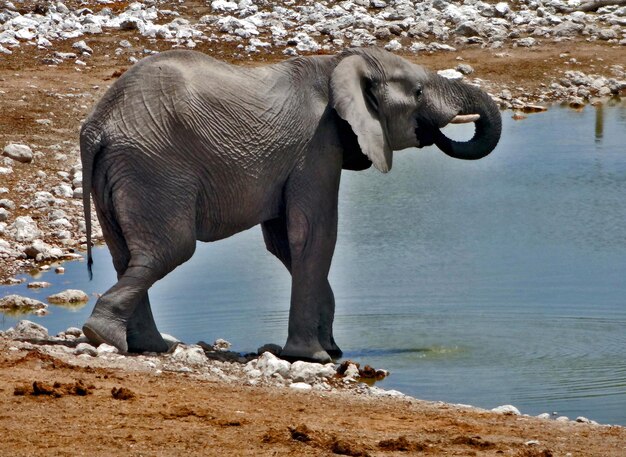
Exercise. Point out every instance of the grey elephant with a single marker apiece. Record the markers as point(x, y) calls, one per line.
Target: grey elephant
point(184, 147)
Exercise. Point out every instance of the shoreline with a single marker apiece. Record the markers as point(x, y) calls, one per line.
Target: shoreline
point(191, 398)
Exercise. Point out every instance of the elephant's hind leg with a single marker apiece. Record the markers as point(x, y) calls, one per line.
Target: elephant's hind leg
point(149, 249)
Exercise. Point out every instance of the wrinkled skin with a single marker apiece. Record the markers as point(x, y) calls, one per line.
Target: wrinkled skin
point(183, 148)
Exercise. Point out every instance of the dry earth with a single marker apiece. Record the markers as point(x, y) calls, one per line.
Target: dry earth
point(51, 407)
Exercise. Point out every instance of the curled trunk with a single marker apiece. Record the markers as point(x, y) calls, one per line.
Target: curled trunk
point(488, 126)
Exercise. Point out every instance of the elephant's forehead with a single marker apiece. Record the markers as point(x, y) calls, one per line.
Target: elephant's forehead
point(407, 72)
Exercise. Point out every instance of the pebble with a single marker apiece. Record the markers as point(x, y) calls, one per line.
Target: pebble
point(69, 296)
point(105, 349)
point(192, 355)
point(86, 349)
point(221, 345)
point(28, 329)
point(23, 304)
point(301, 386)
point(507, 409)
point(38, 285)
point(18, 152)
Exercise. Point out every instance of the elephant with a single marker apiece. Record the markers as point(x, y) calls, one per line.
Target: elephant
point(185, 148)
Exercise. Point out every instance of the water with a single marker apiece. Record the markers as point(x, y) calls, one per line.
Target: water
point(490, 282)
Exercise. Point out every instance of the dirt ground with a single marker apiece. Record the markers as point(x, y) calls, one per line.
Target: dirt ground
point(49, 407)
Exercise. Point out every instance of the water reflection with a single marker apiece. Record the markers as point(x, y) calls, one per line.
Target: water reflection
point(490, 282)
point(599, 108)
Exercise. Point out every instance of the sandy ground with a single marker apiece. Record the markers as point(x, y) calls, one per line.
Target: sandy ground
point(177, 414)
point(50, 407)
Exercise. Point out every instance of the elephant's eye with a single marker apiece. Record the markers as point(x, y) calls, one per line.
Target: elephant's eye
point(418, 90)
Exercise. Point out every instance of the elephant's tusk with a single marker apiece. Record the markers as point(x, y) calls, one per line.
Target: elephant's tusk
point(465, 118)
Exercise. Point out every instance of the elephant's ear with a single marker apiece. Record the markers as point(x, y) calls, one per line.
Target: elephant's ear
point(349, 82)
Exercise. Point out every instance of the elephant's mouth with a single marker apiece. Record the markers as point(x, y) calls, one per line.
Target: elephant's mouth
point(431, 134)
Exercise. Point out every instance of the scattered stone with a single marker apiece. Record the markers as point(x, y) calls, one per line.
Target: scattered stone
point(268, 365)
point(450, 74)
point(59, 270)
point(24, 229)
point(69, 296)
point(86, 349)
point(105, 349)
point(507, 410)
point(301, 386)
point(221, 345)
point(192, 355)
point(21, 304)
point(28, 329)
point(38, 284)
point(310, 372)
point(18, 152)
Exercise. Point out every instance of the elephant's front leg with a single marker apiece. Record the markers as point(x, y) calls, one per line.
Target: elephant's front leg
point(312, 233)
point(325, 328)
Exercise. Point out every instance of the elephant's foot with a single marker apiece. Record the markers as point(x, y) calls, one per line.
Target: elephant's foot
point(99, 330)
point(333, 351)
point(329, 345)
point(146, 342)
point(143, 336)
point(312, 352)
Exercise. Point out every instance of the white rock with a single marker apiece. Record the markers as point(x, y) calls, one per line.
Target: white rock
point(43, 199)
point(502, 9)
point(69, 296)
point(18, 152)
point(352, 372)
point(192, 354)
point(223, 5)
point(74, 331)
point(562, 419)
point(59, 270)
point(6, 171)
point(268, 364)
point(63, 191)
point(24, 229)
point(221, 345)
point(507, 409)
point(82, 47)
point(28, 329)
point(544, 416)
point(301, 386)
point(85, 349)
point(310, 372)
point(4, 215)
point(450, 74)
point(17, 302)
point(393, 45)
point(583, 420)
point(104, 349)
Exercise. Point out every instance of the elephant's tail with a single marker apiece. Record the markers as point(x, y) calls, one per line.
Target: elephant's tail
point(90, 145)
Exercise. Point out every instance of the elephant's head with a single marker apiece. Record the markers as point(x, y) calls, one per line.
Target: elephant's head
point(392, 104)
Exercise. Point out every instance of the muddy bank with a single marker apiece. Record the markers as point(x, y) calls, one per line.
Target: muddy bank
point(174, 403)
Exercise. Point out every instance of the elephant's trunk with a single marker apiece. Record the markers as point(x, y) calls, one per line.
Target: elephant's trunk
point(488, 125)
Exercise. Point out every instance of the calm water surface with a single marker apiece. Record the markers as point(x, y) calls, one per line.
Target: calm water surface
point(489, 282)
